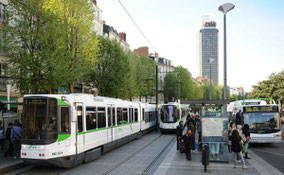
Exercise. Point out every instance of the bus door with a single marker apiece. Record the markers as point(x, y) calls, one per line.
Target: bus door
point(80, 136)
point(111, 122)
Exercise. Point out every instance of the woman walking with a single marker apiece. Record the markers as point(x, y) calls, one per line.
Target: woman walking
point(246, 134)
point(237, 146)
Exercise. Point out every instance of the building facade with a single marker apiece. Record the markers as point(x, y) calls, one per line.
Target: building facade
point(98, 22)
point(142, 51)
point(208, 49)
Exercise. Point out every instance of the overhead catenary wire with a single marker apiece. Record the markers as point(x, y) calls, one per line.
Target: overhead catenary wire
point(137, 26)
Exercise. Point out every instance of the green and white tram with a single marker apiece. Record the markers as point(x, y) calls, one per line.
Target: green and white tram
point(66, 130)
point(263, 119)
point(170, 115)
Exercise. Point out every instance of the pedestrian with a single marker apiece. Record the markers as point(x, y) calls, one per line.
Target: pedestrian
point(231, 129)
point(16, 135)
point(239, 118)
point(188, 143)
point(190, 120)
point(237, 146)
point(179, 130)
point(8, 145)
point(246, 134)
point(1, 137)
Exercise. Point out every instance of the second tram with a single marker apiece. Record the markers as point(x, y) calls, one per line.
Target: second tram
point(170, 115)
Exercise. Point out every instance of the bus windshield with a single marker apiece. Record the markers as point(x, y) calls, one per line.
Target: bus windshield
point(39, 120)
point(262, 121)
point(169, 114)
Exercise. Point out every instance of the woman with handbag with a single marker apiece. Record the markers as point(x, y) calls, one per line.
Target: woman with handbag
point(237, 146)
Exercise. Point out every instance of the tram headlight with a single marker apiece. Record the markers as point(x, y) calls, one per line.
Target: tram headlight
point(24, 146)
point(41, 147)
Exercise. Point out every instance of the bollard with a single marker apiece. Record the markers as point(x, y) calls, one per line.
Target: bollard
point(205, 156)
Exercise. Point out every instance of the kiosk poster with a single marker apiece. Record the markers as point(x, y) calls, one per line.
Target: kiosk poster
point(214, 129)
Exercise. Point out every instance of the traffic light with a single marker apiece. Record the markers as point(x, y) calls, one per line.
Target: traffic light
point(1, 106)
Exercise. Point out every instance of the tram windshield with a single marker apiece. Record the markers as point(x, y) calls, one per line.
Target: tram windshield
point(39, 120)
point(262, 122)
point(169, 114)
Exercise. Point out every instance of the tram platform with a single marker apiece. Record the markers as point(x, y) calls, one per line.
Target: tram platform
point(9, 164)
point(152, 154)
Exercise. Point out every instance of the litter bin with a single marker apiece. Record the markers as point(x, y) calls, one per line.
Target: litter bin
point(205, 156)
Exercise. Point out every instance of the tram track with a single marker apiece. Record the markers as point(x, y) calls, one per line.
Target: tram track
point(121, 163)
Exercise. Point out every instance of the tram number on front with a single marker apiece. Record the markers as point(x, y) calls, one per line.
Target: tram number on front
point(57, 153)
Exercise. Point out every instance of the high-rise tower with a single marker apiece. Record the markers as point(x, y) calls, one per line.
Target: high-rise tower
point(208, 49)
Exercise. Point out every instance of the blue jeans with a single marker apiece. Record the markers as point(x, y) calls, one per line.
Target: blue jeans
point(241, 157)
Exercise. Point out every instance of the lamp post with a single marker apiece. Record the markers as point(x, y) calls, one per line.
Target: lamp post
point(225, 8)
point(211, 60)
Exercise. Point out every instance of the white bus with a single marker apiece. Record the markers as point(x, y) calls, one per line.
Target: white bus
point(263, 119)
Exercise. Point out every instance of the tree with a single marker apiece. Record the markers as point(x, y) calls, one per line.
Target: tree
point(271, 88)
point(111, 73)
point(38, 43)
point(170, 86)
point(78, 41)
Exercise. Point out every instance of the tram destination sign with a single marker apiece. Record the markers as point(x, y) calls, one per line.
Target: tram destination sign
point(261, 109)
point(35, 101)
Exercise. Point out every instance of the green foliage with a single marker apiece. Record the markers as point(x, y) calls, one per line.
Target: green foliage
point(271, 88)
point(179, 85)
point(48, 43)
point(111, 73)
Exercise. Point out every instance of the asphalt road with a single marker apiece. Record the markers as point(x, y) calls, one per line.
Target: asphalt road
point(271, 153)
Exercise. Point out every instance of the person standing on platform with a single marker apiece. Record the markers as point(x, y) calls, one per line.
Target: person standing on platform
point(237, 144)
point(8, 146)
point(179, 130)
point(188, 144)
point(246, 134)
point(16, 135)
point(239, 120)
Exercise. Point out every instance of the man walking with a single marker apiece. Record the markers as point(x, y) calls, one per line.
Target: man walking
point(16, 135)
point(179, 133)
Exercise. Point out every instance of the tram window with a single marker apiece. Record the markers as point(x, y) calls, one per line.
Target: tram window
point(119, 116)
point(143, 114)
point(136, 115)
point(79, 118)
point(101, 117)
point(124, 115)
point(146, 117)
point(130, 115)
point(65, 120)
point(113, 117)
point(91, 118)
point(109, 116)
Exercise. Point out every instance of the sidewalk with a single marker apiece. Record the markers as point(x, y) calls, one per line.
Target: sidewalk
point(9, 164)
point(175, 163)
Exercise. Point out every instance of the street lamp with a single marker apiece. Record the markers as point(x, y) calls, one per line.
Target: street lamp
point(211, 60)
point(225, 8)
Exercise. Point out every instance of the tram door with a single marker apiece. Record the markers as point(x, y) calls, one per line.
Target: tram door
point(111, 122)
point(80, 137)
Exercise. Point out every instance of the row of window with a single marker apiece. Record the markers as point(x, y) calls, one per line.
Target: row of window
point(149, 116)
point(96, 117)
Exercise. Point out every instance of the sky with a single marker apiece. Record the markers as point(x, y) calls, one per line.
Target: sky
point(255, 33)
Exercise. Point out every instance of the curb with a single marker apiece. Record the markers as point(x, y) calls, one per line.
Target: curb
point(6, 167)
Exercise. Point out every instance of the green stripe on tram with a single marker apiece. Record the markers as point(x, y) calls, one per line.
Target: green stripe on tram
point(61, 103)
point(62, 137)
